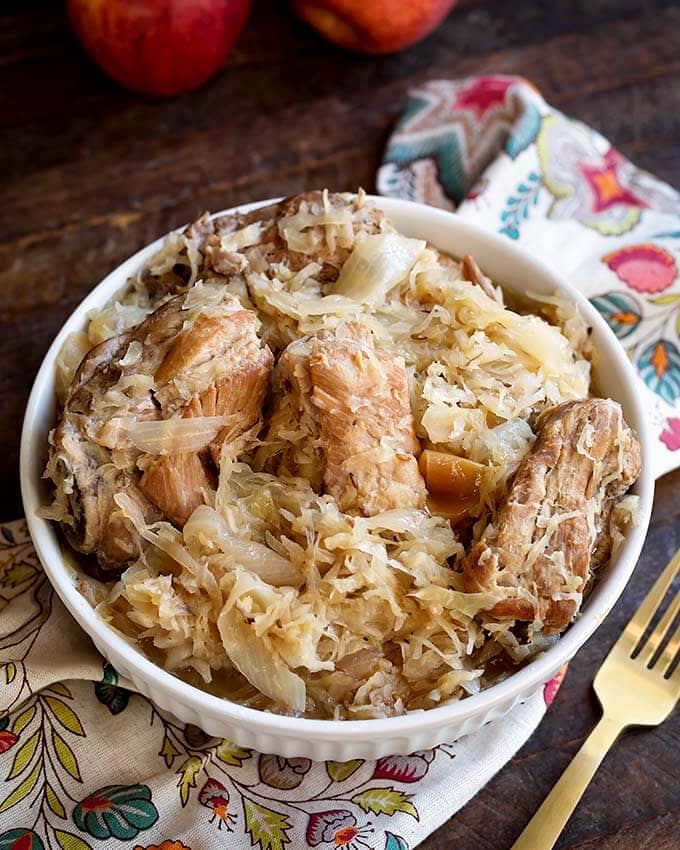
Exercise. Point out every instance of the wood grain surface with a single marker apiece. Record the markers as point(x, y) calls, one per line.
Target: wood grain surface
point(89, 173)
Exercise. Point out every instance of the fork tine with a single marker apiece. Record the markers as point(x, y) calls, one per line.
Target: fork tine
point(638, 623)
point(669, 653)
point(662, 627)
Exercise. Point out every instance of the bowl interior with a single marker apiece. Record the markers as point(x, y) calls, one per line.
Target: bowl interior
point(506, 264)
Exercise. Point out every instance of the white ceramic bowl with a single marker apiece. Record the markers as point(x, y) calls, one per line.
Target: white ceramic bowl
point(507, 264)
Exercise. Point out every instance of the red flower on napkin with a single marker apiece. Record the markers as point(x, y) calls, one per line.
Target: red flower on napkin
point(336, 828)
point(7, 739)
point(411, 768)
point(671, 436)
point(551, 687)
point(645, 268)
point(215, 796)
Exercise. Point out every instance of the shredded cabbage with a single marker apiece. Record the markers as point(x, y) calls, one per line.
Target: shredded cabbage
point(376, 265)
point(311, 586)
point(69, 358)
point(269, 594)
point(256, 659)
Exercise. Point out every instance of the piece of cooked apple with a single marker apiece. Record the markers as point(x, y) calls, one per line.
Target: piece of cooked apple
point(454, 484)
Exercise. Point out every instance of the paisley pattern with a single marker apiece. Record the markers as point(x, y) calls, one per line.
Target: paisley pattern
point(597, 187)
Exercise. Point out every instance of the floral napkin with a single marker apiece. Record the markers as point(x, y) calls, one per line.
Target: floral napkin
point(86, 764)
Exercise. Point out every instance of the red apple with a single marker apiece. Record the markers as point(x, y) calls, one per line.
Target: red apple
point(160, 47)
point(374, 26)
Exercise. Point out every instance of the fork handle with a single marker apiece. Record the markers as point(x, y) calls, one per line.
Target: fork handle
point(545, 827)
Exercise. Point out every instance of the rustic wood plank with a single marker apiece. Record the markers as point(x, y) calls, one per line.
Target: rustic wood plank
point(102, 207)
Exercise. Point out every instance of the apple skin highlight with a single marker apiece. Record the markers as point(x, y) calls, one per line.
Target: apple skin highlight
point(159, 47)
point(373, 26)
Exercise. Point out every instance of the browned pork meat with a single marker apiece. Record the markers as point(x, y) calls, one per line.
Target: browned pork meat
point(342, 419)
point(122, 431)
point(314, 227)
point(86, 481)
point(538, 546)
point(229, 350)
point(281, 233)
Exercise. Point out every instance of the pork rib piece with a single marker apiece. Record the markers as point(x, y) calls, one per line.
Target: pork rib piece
point(181, 362)
point(537, 551)
point(342, 419)
point(220, 365)
point(273, 229)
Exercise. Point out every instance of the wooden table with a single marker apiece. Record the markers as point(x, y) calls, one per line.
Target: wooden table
point(90, 173)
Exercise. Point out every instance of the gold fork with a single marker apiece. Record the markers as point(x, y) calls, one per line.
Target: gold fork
point(633, 691)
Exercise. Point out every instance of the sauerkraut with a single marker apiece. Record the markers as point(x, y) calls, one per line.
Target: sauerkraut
point(268, 593)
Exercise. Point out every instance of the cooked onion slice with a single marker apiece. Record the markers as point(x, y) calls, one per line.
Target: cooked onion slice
point(173, 436)
point(206, 528)
point(454, 484)
point(257, 660)
point(453, 509)
point(376, 265)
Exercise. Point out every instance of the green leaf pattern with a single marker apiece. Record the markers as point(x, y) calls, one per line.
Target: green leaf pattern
point(394, 842)
point(621, 310)
point(109, 694)
point(268, 829)
point(518, 206)
point(116, 811)
point(385, 801)
point(27, 839)
point(42, 769)
point(24, 755)
point(338, 771)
